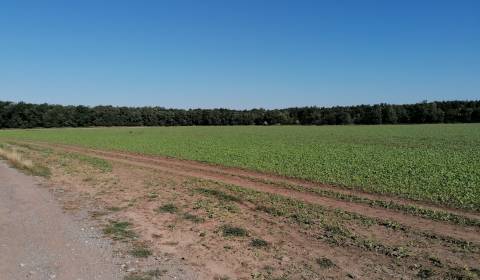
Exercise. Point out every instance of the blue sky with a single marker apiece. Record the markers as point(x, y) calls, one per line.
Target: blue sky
point(239, 53)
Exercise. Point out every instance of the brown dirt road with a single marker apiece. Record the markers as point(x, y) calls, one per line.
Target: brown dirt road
point(39, 241)
point(252, 180)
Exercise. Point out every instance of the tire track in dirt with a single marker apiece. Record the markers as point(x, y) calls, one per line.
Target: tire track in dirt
point(256, 176)
point(168, 165)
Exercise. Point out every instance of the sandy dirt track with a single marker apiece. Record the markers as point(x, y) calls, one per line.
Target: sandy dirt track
point(39, 241)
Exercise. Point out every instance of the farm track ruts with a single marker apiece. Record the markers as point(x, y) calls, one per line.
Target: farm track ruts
point(253, 180)
point(270, 178)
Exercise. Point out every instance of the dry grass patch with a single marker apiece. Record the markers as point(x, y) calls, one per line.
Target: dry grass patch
point(14, 157)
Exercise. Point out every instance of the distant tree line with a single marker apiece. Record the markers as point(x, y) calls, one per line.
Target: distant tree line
point(26, 115)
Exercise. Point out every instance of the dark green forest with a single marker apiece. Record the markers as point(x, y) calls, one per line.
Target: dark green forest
point(27, 115)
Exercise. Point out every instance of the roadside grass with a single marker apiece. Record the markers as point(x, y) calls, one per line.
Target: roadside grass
point(15, 158)
point(120, 230)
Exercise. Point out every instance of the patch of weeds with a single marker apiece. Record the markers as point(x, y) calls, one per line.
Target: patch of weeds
point(302, 218)
point(397, 252)
point(149, 275)
point(436, 261)
point(336, 235)
point(97, 214)
point(230, 207)
point(392, 224)
point(460, 274)
point(136, 276)
point(340, 236)
point(114, 208)
point(259, 243)
point(325, 263)
point(229, 230)
point(168, 208)
point(119, 230)
point(89, 179)
point(462, 244)
point(203, 204)
point(141, 251)
point(193, 218)
point(221, 278)
point(152, 196)
point(270, 210)
point(425, 273)
point(156, 272)
point(219, 194)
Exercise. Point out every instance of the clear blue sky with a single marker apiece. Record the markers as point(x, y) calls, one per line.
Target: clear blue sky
point(239, 53)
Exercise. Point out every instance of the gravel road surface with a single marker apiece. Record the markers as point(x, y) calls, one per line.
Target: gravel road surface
point(39, 241)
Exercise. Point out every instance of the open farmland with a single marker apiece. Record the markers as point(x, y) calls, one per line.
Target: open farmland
point(273, 202)
point(433, 163)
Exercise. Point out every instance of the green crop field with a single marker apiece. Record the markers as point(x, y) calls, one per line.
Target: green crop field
point(438, 163)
